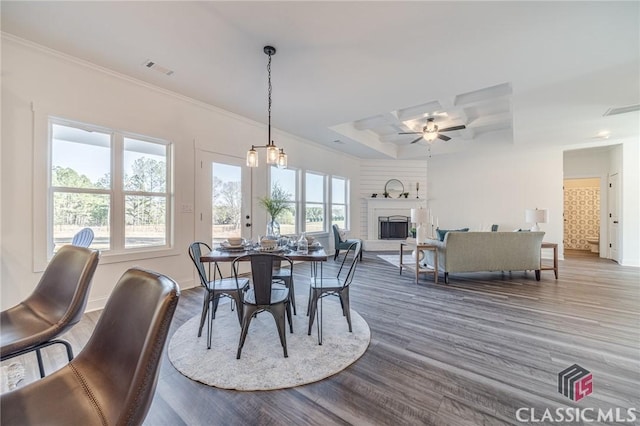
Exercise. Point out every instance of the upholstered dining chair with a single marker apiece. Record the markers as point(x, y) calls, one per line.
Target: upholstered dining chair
point(335, 286)
point(56, 304)
point(263, 295)
point(113, 379)
point(83, 238)
point(341, 244)
point(215, 289)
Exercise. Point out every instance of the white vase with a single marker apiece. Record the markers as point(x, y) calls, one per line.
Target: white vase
point(273, 229)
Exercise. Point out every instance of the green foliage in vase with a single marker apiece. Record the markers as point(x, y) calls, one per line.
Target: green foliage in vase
point(278, 203)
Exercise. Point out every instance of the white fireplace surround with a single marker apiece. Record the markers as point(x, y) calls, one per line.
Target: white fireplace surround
point(377, 207)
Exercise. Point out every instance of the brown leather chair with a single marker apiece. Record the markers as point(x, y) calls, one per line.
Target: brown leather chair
point(113, 379)
point(56, 305)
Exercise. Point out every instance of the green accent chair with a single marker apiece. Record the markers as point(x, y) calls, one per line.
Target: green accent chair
point(341, 244)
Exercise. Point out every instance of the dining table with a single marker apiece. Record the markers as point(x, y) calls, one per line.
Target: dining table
point(315, 256)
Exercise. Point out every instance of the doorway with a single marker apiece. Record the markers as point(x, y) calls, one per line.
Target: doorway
point(582, 205)
point(223, 198)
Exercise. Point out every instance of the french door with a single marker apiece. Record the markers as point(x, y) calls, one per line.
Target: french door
point(223, 198)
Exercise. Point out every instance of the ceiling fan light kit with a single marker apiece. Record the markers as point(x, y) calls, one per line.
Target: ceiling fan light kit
point(430, 132)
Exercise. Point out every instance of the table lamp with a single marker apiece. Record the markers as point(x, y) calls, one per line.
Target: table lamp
point(419, 216)
point(536, 216)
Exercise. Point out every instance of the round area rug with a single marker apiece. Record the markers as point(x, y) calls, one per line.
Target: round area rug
point(262, 365)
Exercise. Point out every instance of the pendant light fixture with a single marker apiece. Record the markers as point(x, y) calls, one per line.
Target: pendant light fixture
point(275, 155)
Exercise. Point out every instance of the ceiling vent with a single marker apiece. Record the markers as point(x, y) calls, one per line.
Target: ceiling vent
point(154, 66)
point(622, 110)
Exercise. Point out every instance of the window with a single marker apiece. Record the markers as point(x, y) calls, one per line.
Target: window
point(314, 203)
point(116, 184)
point(287, 181)
point(339, 202)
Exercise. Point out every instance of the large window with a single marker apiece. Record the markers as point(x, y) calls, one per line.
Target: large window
point(116, 184)
point(287, 181)
point(314, 206)
point(339, 204)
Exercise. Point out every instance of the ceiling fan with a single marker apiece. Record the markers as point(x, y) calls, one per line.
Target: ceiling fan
point(431, 132)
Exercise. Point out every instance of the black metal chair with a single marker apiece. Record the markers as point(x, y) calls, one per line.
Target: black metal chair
point(112, 381)
point(56, 304)
point(263, 295)
point(215, 289)
point(335, 286)
point(285, 276)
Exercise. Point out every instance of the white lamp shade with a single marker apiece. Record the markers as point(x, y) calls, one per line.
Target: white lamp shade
point(419, 215)
point(536, 215)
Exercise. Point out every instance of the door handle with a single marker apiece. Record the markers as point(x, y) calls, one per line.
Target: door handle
point(615, 221)
point(248, 225)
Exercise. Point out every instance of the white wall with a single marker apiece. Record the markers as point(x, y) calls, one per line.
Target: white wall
point(37, 82)
point(630, 204)
point(496, 186)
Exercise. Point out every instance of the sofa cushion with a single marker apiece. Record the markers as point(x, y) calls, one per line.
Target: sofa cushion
point(443, 232)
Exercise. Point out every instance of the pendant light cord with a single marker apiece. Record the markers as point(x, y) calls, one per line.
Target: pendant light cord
point(269, 142)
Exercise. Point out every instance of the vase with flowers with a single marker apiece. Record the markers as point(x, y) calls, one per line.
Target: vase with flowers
point(275, 205)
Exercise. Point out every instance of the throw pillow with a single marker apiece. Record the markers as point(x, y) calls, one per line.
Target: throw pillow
point(443, 232)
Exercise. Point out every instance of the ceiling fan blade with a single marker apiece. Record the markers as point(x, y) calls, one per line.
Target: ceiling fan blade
point(410, 133)
point(415, 140)
point(444, 138)
point(451, 129)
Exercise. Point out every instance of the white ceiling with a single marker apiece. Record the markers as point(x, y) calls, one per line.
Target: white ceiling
point(343, 71)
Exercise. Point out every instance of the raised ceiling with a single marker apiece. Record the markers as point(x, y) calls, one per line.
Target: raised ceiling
point(514, 73)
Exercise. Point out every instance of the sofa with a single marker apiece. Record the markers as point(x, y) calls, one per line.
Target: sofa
point(487, 251)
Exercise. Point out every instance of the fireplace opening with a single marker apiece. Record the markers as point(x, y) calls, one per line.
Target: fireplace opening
point(393, 227)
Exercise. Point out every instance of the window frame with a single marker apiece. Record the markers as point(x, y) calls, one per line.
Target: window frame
point(346, 204)
point(44, 192)
point(324, 203)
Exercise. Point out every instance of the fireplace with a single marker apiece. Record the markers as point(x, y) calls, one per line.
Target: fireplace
point(393, 227)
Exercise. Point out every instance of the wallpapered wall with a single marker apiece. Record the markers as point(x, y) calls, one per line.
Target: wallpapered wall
point(581, 212)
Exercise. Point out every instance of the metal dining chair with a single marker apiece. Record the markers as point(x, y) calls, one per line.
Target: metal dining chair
point(263, 295)
point(215, 289)
point(83, 238)
point(335, 286)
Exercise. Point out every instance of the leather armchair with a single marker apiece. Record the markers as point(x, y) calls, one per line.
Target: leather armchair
point(113, 379)
point(56, 305)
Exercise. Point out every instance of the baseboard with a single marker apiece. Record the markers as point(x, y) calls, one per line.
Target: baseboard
point(630, 262)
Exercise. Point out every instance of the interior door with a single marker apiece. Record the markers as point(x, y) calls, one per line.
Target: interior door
point(223, 198)
point(613, 217)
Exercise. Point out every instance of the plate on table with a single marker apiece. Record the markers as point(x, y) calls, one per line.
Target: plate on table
point(229, 247)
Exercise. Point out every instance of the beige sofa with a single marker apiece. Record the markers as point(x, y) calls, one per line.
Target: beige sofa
point(487, 251)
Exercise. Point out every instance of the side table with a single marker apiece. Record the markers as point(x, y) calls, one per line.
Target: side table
point(553, 268)
point(418, 269)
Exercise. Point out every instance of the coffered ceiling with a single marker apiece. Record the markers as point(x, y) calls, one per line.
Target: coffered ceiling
point(352, 75)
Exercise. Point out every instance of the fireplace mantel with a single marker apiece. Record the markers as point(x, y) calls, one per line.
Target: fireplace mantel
point(387, 207)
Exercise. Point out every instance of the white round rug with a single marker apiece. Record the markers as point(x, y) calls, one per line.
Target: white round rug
point(262, 365)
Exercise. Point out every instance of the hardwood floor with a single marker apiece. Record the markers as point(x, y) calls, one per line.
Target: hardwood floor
point(467, 353)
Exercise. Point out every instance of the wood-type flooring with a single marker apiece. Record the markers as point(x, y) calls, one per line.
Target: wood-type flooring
point(471, 352)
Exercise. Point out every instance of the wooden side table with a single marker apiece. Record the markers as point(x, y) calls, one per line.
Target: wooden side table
point(418, 269)
point(553, 268)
